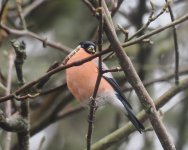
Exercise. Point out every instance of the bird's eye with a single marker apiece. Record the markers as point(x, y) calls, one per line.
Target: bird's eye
point(91, 49)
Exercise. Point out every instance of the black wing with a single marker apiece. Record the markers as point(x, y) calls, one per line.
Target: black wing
point(125, 103)
point(116, 87)
point(109, 78)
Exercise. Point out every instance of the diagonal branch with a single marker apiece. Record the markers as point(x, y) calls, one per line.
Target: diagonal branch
point(137, 84)
point(45, 42)
point(156, 31)
point(150, 19)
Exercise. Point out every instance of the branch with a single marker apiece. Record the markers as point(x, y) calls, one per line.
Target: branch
point(135, 81)
point(161, 79)
point(93, 106)
point(175, 45)
point(45, 42)
point(150, 19)
point(156, 31)
point(26, 32)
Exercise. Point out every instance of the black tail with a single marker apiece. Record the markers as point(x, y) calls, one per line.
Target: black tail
point(125, 103)
point(138, 125)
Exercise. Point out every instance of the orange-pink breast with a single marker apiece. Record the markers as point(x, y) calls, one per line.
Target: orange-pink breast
point(81, 79)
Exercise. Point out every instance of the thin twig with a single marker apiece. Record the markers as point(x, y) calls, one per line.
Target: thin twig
point(165, 78)
point(117, 69)
point(93, 106)
point(150, 19)
point(156, 31)
point(176, 72)
point(55, 45)
point(125, 32)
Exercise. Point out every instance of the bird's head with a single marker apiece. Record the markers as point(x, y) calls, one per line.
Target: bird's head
point(88, 46)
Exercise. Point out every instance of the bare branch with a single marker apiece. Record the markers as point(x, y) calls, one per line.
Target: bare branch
point(150, 19)
point(161, 79)
point(140, 90)
point(156, 31)
point(93, 106)
point(175, 45)
point(57, 46)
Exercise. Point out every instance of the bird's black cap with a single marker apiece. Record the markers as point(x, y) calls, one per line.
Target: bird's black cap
point(88, 46)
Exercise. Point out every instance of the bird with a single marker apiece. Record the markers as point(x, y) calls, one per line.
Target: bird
point(81, 82)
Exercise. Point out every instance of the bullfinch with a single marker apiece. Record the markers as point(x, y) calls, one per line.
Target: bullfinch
point(81, 81)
